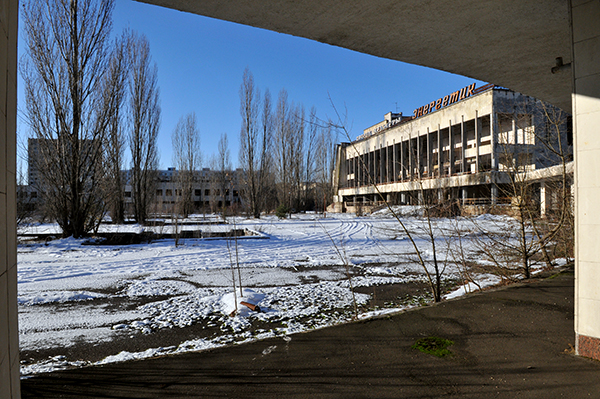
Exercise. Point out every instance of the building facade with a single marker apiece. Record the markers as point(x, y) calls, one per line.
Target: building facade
point(211, 190)
point(463, 146)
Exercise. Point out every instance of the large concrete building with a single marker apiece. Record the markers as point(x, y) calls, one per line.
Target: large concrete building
point(462, 146)
point(547, 49)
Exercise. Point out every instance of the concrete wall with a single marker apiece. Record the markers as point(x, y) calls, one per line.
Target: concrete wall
point(9, 334)
point(586, 119)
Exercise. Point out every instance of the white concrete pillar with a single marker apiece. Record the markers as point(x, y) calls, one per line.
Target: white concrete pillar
point(394, 162)
point(440, 148)
point(9, 332)
point(410, 159)
point(463, 140)
point(493, 136)
point(586, 119)
point(401, 173)
point(494, 194)
point(477, 140)
point(450, 150)
point(543, 197)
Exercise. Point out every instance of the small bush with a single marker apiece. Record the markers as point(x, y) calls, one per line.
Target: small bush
point(282, 211)
point(434, 346)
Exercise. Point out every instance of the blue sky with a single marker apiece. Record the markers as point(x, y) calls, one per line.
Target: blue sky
point(201, 61)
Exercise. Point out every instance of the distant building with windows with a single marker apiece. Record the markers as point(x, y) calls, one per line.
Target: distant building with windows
point(460, 147)
point(212, 190)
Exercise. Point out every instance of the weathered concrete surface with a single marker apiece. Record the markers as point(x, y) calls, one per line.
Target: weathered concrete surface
point(510, 343)
point(513, 43)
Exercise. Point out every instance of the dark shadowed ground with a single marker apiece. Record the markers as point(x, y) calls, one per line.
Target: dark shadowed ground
point(514, 342)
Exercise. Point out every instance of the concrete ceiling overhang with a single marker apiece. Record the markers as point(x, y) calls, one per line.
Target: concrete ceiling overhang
point(512, 43)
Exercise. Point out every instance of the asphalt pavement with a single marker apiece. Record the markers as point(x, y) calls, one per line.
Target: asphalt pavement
point(513, 342)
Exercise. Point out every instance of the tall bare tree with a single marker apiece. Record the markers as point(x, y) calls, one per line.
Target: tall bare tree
point(116, 86)
point(67, 106)
point(187, 158)
point(283, 148)
point(251, 145)
point(221, 176)
point(324, 164)
point(144, 123)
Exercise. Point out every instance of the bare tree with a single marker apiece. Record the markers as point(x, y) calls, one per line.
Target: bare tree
point(144, 122)
point(283, 149)
point(221, 176)
point(116, 87)
point(255, 136)
point(297, 155)
point(249, 141)
point(67, 107)
point(188, 160)
point(434, 279)
point(267, 198)
point(324, 164)
point(533, 137)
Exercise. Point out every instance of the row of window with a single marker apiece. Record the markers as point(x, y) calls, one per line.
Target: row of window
point(198, 193)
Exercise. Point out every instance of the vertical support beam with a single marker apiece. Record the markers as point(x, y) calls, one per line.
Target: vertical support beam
point(543, 198)
point(494, 193)
point(410, 157)
point(419, 175)
point(493, 136)
point(463, 139)
point(381, 165)
point(387, 163)
point(477, 139)
point(429, 174)
point(369, 174)
point(440, 149)
point(450, 149)
point(402, 168)
point(394, 169)
point(586, 119)
point(357, 168)
point(9, 332)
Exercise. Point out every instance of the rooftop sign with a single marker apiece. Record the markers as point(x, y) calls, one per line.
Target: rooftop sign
point(446, 100)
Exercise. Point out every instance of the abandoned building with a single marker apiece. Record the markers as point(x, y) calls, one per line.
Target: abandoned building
point(470, 147)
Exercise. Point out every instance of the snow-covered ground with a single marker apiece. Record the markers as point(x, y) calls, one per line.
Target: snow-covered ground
point(294, 270)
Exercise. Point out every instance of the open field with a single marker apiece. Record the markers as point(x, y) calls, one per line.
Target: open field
point(88, 304)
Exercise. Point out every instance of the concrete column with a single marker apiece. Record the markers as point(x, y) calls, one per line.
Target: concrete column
point(387, 163)
point(493, 130)
point(477, 140)
point(494, 194)
point(9, 333)
point(401, 174)
point(450, 150)
point(586, 119)
point(369, 171)
point(429, 148)
point(381, 165)
point(440, 148)
point(464, 196)
point(543, 202)
point(418, 160)
point(463, 140)
point(394, 169)
point(410, 157)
